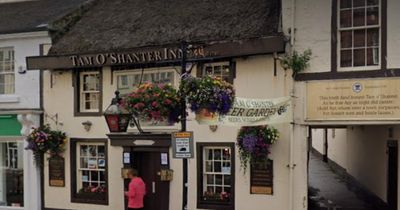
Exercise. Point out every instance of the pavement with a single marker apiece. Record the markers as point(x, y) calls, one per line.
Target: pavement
point(329, 191)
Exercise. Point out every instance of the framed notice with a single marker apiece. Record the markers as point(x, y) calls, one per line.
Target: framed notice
point(57, 171)
point(182, 144)
point(261, 177)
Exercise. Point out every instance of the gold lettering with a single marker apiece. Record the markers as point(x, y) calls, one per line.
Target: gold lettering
point(121, 58)
point(101, 59)
point(74, 59)
point(157, 55)
point(113, 58)
point(135, 57)
point(149, 56)
point(129, 58)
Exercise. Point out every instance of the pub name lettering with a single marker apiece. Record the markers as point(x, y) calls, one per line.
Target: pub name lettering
point(164, 54)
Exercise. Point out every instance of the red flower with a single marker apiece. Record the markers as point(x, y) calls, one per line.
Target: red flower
point(154, 104)
point(167, 101)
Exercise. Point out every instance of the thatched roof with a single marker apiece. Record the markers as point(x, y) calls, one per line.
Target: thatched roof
point(126, 24)
point(29, 16)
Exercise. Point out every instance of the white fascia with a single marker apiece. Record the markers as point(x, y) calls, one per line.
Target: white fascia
point(24, 35)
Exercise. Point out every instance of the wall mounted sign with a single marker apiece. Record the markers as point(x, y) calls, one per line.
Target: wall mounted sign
point(364, 99)
point(182, 144)
point(57, 171)
point(160, 54)
point(261, 178)
point(248, 112)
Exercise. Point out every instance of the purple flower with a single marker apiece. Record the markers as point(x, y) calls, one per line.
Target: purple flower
point(249, 143)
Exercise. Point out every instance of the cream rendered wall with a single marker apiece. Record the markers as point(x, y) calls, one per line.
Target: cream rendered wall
point(313, 30)
point(254, 79)
point(393, 34)
point(337, 146)
point(318, 140)
point(367, 158)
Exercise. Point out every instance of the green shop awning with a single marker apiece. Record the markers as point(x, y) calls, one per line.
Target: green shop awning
point(9, 125)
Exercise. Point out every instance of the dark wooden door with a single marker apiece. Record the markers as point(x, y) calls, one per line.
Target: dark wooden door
point(392, 175)
point(157, 192)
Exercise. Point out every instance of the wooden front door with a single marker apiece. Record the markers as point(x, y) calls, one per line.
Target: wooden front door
point(157, 192)
point(392, 175)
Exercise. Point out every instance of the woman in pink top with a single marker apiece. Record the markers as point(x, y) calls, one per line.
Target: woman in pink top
point(136, 192)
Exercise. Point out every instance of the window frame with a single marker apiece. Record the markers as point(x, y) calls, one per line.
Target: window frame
point(4, 49)
point(336, 39)
point(200, 70)
point(75, 197)
point(200, 167)
point(136, 71)
point(78, 76)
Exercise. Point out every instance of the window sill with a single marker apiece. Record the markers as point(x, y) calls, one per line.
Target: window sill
point(9, 98)
point(89, 201)
point(359, 68)
point(213, 205)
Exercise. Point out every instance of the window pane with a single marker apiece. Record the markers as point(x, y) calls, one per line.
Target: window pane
point(372, 2)
point(210, 179)
point(11, 173)
point(7, 83)
point(227, 180)
point(217, 167)
point(359, 17)
point(372, 56)
point(345, 19)
point(217, 154)
point(359, 57)
point(218, 179)
point(359, 38)
point(373, 37)
point(345, 58)
point(346, 38)
point(345, 4)
point(209, 166)
point(358, 3)
point(373, 16)
point(84, 162)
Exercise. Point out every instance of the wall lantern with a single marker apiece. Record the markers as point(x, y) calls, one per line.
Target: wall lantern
point(117, 117)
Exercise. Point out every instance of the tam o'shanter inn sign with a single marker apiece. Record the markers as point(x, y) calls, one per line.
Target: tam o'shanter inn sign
point(366, 99)
point(157, 54)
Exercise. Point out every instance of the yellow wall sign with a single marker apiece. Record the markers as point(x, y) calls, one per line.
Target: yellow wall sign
point(364, 99)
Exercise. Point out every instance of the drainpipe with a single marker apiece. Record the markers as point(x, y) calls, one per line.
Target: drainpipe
point(292, 125)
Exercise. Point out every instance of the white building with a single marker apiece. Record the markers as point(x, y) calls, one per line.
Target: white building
point(23, 32)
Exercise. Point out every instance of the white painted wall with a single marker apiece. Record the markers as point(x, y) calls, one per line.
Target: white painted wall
point(337, 146)
point(27, 93)
point(254, 80)
point(318, 140)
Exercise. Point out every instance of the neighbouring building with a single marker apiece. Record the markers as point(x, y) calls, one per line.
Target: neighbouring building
point(351, 89)
point(118, 44)
point(23, 32)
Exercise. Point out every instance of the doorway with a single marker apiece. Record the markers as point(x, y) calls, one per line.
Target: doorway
point(149, 164)
point(392, 149)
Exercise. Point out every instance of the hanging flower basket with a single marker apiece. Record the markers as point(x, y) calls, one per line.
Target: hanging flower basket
point(208, 93)
point(254, 144)
point(154, 102)
point(44, 140)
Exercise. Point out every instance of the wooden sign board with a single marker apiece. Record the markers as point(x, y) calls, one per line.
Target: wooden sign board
point(57, 171)
point(261, 178)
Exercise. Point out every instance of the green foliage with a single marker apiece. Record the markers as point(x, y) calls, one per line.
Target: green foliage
point(298, 62)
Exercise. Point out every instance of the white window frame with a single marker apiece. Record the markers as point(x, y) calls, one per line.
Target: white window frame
point(12, 72)
point(205, 172)
point(339, 30)
point(79, 169)
point(216, 64)
point(82, 100)
point(138, 72)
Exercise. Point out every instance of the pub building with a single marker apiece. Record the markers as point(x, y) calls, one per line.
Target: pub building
point(115, 46)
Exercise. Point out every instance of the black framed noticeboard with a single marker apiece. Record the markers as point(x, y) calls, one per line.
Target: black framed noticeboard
point(261, 177)
point(57, 171)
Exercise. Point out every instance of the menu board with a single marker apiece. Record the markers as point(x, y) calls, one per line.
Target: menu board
point(261, 178)
point(57, 171)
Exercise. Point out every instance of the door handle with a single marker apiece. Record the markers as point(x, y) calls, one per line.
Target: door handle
point(153, 187)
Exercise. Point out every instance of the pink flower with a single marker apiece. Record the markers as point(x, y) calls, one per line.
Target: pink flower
point(167, 101)
point(154, 104)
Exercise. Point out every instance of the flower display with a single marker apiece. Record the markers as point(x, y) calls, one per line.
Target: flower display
point(254, 143)
point(211, 196)
point(43, 139)
point(154, 102)
point(93, 189)
point(211, 93)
